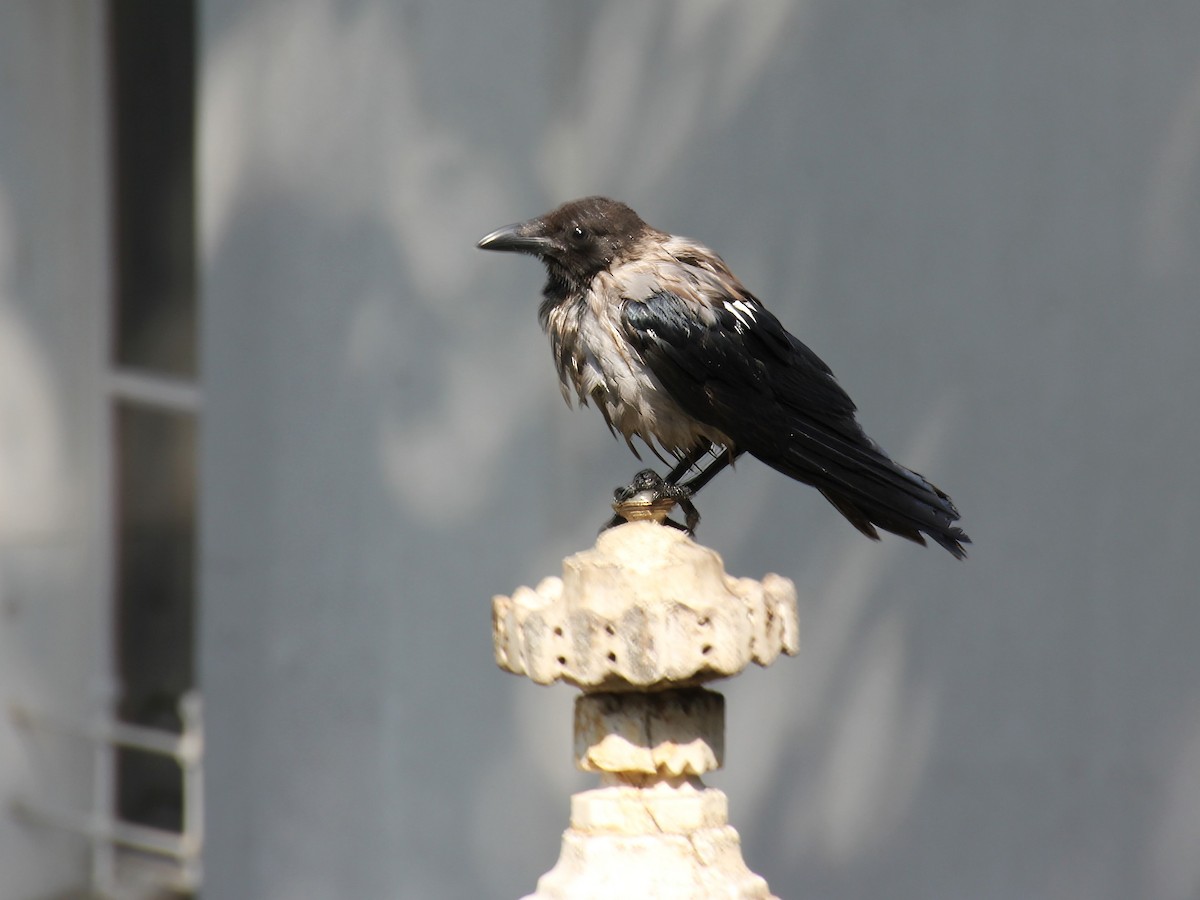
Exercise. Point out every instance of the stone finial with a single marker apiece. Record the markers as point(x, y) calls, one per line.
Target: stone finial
point(639, 622)
point(647, 608)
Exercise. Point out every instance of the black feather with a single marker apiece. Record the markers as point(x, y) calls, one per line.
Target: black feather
point(776, 399)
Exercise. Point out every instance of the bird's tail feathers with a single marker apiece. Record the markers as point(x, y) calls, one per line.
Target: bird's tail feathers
point(869, 488)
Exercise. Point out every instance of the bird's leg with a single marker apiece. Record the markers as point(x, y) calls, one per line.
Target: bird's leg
point(686, 463)
point(650, 488)
point(691, 516)
point(650, 496)
point(709, 472)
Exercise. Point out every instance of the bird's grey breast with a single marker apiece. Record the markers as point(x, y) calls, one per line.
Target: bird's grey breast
point(598, 362)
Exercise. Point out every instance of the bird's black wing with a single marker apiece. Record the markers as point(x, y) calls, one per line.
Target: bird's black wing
point(748, 377)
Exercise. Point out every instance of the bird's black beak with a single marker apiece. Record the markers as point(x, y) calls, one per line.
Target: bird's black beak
point(524, 237)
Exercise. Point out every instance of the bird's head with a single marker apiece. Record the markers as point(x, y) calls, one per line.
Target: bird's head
point(577, 241)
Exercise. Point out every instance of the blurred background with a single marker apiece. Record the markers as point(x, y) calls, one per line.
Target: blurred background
point(273, 432)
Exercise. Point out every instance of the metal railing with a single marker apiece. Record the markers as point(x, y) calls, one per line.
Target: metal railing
point(105, 832)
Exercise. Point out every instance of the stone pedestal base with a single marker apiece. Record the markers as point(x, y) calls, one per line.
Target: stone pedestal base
point(664, 842)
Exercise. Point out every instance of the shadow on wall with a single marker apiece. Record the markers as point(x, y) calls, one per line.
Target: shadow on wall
point(42, 658)
point(32, 483)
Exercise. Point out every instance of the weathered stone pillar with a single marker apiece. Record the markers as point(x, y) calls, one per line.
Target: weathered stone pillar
point(639, 623)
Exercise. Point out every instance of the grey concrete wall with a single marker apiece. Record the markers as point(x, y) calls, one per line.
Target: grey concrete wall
point(54, 638)
point(984, 216)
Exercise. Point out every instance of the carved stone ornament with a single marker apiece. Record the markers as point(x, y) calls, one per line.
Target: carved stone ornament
point(639, 622)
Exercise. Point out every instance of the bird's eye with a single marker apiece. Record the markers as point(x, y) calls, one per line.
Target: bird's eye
point(579, 232)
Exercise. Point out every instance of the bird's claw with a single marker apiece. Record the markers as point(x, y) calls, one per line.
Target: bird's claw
point(649, 496)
